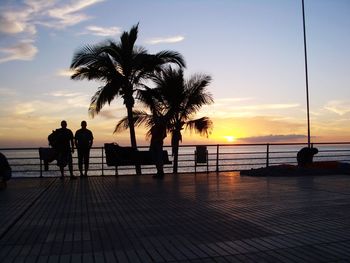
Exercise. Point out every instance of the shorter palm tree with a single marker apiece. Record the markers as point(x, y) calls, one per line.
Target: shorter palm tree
point(177, 101)
point(121, 67)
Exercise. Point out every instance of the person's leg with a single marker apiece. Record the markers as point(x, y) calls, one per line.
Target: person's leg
point(70, 164)
point(60, 163)
point(86, 161)
point(3, 184)
point(80, 161)
point(62, 171)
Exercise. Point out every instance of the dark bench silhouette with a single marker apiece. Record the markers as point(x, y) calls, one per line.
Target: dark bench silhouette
point(127, 156)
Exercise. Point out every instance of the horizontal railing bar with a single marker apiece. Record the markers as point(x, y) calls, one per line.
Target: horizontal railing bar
point(238, 153)
point(253, 158)
point(209, 145)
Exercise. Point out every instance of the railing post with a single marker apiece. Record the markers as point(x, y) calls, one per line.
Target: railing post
point(217, 158)
point(102, 161)
point(267, 154)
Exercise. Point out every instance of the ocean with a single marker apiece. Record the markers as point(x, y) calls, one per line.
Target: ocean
point(225, 157)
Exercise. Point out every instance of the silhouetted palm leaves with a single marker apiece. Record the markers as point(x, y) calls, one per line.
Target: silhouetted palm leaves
point(176, 101)
point(121, 67)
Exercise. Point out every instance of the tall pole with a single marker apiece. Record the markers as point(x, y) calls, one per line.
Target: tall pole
point(306, 80)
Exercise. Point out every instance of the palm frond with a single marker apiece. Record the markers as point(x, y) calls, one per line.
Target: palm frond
point(122, 125)
point(197, 96)
point(150, 98)
point(101, 68)
point(128, 39)
point(102, 96)
point(139, 118)
point(173, 57)
point(86, 55)
point(203, 126)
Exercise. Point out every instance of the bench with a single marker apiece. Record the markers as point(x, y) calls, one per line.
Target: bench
point(127, 156)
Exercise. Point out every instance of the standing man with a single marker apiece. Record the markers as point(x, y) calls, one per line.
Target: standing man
point(65, 148)
point(83, 141)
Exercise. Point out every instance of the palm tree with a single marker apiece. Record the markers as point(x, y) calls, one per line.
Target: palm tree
point(176, 100)
point(122, 67)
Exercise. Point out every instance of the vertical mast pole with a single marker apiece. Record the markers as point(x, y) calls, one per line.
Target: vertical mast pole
point(306, 79)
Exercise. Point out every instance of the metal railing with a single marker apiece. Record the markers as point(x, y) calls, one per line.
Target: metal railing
point(25, 162)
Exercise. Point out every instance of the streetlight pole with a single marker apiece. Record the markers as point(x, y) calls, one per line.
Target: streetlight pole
point(306, 79)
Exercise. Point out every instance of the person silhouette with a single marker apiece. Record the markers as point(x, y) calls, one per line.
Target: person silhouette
point(305, 156)
point(158, 133)
point(83, 142)
point(5, 171)
point(65, 148)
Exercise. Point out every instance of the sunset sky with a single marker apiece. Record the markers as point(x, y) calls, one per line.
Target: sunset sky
point(253, 49)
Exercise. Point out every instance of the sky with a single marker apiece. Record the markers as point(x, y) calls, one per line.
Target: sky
point(252, 49)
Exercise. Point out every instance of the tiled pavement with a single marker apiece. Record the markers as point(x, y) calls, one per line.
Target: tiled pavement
point(204, 218)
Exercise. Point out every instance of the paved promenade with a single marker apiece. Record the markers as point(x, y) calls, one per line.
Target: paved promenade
point(205, 218)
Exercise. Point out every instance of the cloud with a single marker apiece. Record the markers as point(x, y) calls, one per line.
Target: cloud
point(65, 72)
point(9, 24)
point(113, 113)
point(38, 5)
point(7, 92)
point(19, 51)
point(69, 15)
point(102, 31)
point(268, 106)
point(65, 94)
point(231, 100)
point(58, 105)
point(24, 108)
point(160, 40)
point(274, 138)
point(237, 107)
point(19, 21)
point(338, 107)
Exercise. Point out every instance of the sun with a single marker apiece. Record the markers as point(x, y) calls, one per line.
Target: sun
point(230, 138)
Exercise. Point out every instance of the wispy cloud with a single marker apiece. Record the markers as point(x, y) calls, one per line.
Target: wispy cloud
point(102, 31)
point(339, 107)
point(268, 106)
point(64, 93)
point(24, 108)
point(53, 104)
point(237, 107)
point(19, 21)
point(229, 100)
point(19, 51)
point(162, 40)
point(69, 14)
point(16, 22)
point(7, 92)
point(64, 72)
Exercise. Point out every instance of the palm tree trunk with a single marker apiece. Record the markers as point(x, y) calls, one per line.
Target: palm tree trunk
point(175, 150)
point(132, 135)
point(176, 159)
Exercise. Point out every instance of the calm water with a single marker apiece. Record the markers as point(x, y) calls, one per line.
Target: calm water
point(26, 163)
